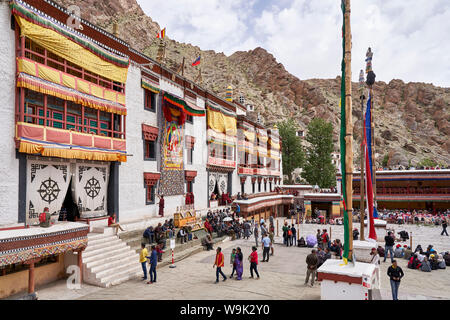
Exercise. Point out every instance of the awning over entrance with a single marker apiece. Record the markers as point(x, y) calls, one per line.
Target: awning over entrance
point(254, 204)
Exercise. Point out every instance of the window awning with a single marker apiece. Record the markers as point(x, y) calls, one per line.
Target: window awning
point(151, 178)
point(150, 132)
point(187, 107)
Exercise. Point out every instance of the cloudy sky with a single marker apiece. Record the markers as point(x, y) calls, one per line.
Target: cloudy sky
point(410, 39)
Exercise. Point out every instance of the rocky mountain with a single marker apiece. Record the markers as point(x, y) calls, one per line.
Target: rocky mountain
point(412, 120)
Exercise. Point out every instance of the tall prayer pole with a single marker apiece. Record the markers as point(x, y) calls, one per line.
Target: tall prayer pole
point(348, 125)
point(370, 81)
point(362, 189)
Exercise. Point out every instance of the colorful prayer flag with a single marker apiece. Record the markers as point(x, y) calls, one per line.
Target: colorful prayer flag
point(196, 62)
point(161, 34)
point(368, 175)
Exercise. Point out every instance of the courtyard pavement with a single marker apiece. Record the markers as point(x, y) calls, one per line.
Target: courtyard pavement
point(282, 278)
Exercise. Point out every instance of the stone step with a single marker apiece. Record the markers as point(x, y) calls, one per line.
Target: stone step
point(120, 255)
point(110, 253)
point(96, 235)
point(131, 234)
point(126, 266)
point(130, 276)
point(104, 244)
point(114, 263)
point(115, 276)
point(103, 239)
point(105, 248)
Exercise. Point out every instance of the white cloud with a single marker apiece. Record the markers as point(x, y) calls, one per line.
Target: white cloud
point(409, 38)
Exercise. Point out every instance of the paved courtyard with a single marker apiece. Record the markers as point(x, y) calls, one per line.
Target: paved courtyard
point(281, 279)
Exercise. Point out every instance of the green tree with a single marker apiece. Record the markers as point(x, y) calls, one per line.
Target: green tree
point(292, 149)
point(427, 162)
point(385, 160)
point(319, 169)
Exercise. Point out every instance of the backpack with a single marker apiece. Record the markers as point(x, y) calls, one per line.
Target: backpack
point(289, 232)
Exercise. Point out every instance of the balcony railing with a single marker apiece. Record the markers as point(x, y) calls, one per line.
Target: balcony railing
point(411, 191)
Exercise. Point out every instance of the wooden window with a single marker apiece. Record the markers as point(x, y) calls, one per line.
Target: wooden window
point(190, 155)
point(253, 187)
point(190, 119)
point(68, 115)
point(149, 194)
point(189, 186)
point(150, 150)
point(150, 100)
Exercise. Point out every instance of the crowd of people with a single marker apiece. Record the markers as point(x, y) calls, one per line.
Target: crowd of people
point(236, 258)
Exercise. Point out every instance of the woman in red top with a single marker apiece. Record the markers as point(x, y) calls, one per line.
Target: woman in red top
point(253, 257)
point(112, 223)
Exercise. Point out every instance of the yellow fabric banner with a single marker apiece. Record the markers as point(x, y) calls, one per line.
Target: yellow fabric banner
point(249, 135)
point(221, 123)
point(71, 51)
point(55, 76)
point(274, 144)
point(31, 148)
point(262, 139)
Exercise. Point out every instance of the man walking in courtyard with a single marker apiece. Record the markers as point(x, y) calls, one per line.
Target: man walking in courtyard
point(444, 227)
point(256, 234)
point(153, 262)
point(389, 245)
point(219, 262)
point(294, 236)
point(143, 260)
point(266, 247)
point(395, 274)
point(312, 261)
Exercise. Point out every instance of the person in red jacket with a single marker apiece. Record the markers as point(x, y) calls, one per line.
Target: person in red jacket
point(219, 262)
point(253, 257)
point(208, 226)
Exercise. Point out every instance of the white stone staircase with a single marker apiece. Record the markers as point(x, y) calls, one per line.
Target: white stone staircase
point(108, 261)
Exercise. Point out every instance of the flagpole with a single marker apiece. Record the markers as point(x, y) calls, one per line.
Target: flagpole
point(370, 83)
point(362, 182)
point(348, 125)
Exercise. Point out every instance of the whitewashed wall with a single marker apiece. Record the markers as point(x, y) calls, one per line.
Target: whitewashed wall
point(9, 165)
point(131, 173)
point(200, 186)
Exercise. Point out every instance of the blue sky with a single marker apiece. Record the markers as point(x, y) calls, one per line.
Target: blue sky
point(409, 39)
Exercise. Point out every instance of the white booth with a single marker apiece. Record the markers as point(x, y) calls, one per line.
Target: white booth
point(353, 281)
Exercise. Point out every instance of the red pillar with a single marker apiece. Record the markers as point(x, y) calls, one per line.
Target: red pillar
point(31, 278)
point(31, 281)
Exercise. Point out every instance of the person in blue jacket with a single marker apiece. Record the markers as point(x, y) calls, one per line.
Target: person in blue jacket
point(153, 262)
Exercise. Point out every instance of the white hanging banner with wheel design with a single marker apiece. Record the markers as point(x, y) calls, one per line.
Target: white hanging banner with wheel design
point(222, 180)
point(91, 187)
point(47, 184)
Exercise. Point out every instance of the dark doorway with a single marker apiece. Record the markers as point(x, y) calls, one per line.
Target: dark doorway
point(69, 205)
